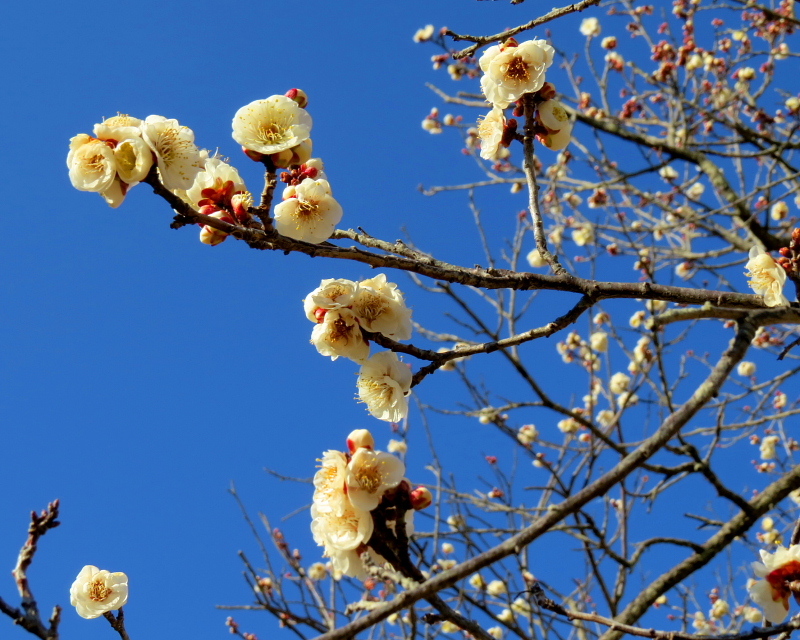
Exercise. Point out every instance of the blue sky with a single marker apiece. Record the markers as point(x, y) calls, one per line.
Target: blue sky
point(142, 371)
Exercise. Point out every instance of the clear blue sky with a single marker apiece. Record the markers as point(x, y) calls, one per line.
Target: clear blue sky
point(142, 371)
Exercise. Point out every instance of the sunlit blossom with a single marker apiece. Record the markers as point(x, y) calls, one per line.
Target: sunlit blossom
point(384, 384)
point(91, 163)
point(490, 131)
point(311, 214)
point(775, 572)
point(369, 475)
point(177, 157)
point(590, 27)
point(330, 294)
point(97, 591)
point(511, 71)
point(766, 277)
point(339, 334)
point(271, 125)
point(381, 308)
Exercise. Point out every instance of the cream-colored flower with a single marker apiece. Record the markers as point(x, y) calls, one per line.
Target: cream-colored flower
point(424, 34)
point(775, 571)
point(339, 334)
point(695, 191)
point(558, 140)
point(619, 383)
point(97, 591)
point(512, 71)
point(496, 588)
point(535, 259)
point(91, 163)
point(118, 128)
point(568, 426)
point(341, 535)
point(311, 214)
point(177, 157)
point(397, 446)
point(527, 434)
point(553, 115)
point(476, 581)
point(271, 125)
point(133, 159)
point(522, 607)
point(766, 277)
point(329, 481)
point(583, 234)
point(381, 308)
point(317, 571)
point(490, 131)
point(746, 368)
point(495, 632)
point(719, 608)
point(369, 475)
point(599, 341)
point(590, 27)
point(330, 294)
point(215, 184)
point(768, 447)
point(779, 210)
point(384, 384)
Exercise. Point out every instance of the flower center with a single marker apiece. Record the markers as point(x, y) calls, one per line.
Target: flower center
point(305, 211)
point(517, 69)
point(371, 306)
point(170, 146)
point(369, 478)
point(340, 331)
point(98, 591)
point(270, 133)
point(780, 578)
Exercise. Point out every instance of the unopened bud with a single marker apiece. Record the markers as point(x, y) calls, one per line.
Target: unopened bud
point(421, 498)
point(319, 315)
point(547, 92)
point(510, 42)
point(360, 439)
point(299, 96)
point(240, 203)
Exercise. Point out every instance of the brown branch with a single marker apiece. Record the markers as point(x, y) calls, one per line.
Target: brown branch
point(118, 623)
point(28, 617)
point(669, 428)
point(483, 40)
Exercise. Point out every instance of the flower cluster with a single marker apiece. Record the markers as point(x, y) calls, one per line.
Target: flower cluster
point(510, 71)
point(776, 572)
point(97, 591)
point(122, 151)
point(345, 312)
point(353, 491)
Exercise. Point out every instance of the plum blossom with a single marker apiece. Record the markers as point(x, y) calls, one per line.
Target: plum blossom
point(384, 384)
point(339, 334)
point(381, 308)
point(97, 591)
point(330, 294)
point(490, 131)
point(766, 277)
point(590, 27)
point(424, 34)
point(746, 368)
point(272, 125)
point(512, 70)
point(133, 159)
point(177, 157)
point(308, 212)
point(775, 572)
point(91, 163)
point(216, 184)
point(369, 474)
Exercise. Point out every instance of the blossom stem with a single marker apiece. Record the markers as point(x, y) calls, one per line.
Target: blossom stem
point(117, 623)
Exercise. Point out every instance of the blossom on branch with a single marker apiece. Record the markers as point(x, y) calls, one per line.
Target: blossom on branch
point(177, 157)
point(91, 163)
point(96, 591)
point(339, 334)
point(330, 294)
point(776, 572)
point(511, 70)
point(308, 212)
point(272, 125)
point(490, 131)
point(381, 308)
point(384, 384)
point(766, 277)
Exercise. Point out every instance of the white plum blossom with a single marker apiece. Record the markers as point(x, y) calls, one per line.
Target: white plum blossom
point(369, 474)
point(216, 183)
point(746, 368)
point(768, 447)
point(177, 157)
point(133, 160)
point(619, 383)
point(329, 481)
point(779, 210)
point(330, 294)
point(91, 163)
point(775, 572)
point(97, 591)
point(583, 235)
point(424, 34)
point(118, 128)
point(339, 334)
point(272, 125)
point(535, 259)
point(490, 131)
point(381, 308)
point(496, 588)
point(599, 341)
point(384, 384)
point(766, 277)
point(590, 27)
point(512, 70)
point(341, 535)
point(310, 213)
point(527, 434)
point(553, 115)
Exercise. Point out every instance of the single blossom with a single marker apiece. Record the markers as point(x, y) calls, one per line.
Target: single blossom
point(590, 27)
point(97, 591)
point(272, 125)
point(384, 384)
point(619, 383)
point(766, 277)
point(133, 159)
point(91, 163)
point(339, 334)
point(369, 474)
point(177, 157)
point(309, 213)
point(330, 294)
point(381, 308)
point(553, 115)
point(329, 482)
point(511, 70)
point(118, 128)
point(216, 184)
point(775, 572)
point(490, 131)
